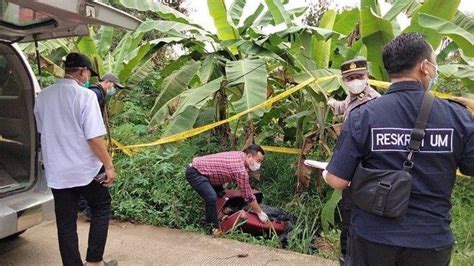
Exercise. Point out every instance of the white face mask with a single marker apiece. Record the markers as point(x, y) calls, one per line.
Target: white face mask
point(254, 167)
point(356, 86)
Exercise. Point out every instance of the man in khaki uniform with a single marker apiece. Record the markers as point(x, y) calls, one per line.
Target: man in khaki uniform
point(354, 75)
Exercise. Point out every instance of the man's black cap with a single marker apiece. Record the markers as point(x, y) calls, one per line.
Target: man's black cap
point(77, 60)
point(358, 65)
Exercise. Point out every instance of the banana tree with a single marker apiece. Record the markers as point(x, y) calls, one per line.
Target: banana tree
point(243, 56)
point(240, 65)
point(240, 42)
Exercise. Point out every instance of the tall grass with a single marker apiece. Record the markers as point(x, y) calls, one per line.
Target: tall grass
point(463, 221)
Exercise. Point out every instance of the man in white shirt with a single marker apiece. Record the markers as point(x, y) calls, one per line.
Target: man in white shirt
point(71, 127)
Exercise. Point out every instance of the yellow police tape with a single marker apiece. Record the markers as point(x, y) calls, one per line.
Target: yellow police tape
point(120, 146)
point(281, 149)
point(199, 130)
point(385, 85)
point(380, 84)
point(128, 149)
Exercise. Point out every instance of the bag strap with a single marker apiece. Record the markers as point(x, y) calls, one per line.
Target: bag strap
point(418, 132)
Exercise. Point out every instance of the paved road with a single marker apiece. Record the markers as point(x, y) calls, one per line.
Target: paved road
point(134, 244)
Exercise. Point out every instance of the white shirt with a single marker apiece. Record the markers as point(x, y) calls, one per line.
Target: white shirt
point(67, 115)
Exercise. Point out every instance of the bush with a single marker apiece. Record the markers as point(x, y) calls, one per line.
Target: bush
point(151, 189)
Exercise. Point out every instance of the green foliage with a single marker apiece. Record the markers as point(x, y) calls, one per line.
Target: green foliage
point(136, 102)
point(151, 189)
point(277, 177)
point(245, 66)
point(218, 11)
point(463, 221)
point(327, 215)
point(251, 74)
point(397, 8)
point(190, 103)
point(375, 33)
point(175, 83)
point(452, 86)
point(280, 15)
point(324, 47)
point(463, 38)
point(235, 12)
point(46, 78)
point(157, 8)
point(272, 241)
point(438, 8)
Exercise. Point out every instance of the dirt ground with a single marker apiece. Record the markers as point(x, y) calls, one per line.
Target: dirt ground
point(132, 244)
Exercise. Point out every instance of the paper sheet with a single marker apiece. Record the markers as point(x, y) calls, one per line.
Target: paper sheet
point(316, 164)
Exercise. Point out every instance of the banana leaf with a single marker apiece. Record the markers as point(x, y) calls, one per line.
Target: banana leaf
point(191, 102)
point(280, 15)
point(175, 83)
point(438, 8)
point(463, 38)
point(218, 11)
point(252, 74)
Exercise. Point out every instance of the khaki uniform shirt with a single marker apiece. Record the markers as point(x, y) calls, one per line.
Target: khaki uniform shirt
point(352, 101)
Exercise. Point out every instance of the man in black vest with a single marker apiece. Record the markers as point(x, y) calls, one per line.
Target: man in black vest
point(377, 134)
point(106, 87)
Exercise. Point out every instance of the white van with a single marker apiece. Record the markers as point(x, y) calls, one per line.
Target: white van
point(25, 199)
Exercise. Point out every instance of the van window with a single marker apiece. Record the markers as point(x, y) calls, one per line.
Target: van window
point(20, 16)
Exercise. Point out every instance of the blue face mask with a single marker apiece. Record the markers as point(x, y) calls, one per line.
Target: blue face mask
point(111, 91)
point(433, 80)
point(86, 84)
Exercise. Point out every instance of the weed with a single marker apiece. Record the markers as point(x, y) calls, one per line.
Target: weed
point(151, 188)
point(463, 221)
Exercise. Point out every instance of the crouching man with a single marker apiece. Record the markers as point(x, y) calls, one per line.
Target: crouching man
point(208, 173)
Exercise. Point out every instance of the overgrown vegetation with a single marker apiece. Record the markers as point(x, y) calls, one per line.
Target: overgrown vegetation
point(152, 189)
point(204, 85)
point(463, 221)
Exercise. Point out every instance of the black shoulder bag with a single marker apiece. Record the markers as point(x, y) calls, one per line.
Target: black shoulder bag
point(387, 192)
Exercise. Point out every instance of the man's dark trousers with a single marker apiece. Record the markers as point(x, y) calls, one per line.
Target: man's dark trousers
point(66, 201)
point(347, 206)
point(203, 187)
point(363, 252)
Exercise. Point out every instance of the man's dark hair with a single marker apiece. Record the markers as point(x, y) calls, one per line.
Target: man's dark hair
point(404, 52)
point(253, 149)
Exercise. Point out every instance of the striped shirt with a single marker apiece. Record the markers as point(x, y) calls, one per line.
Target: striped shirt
point(226, 167)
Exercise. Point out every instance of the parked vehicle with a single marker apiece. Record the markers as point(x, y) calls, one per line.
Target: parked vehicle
point(25, 199)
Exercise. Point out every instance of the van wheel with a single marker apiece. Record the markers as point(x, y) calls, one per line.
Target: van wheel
point(15, 235)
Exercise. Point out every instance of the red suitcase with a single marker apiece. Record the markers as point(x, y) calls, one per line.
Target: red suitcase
point(230, 210)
